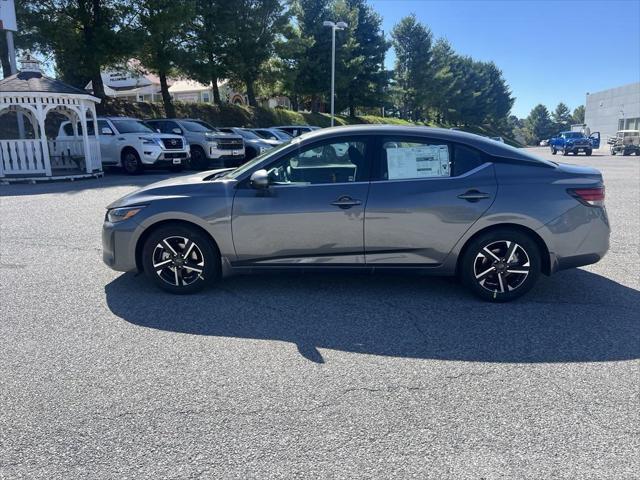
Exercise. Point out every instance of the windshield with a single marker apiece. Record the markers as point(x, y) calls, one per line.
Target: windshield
point(248, 134)
point(196, 126)
point(205, 125)
point(132, 126)
point(573, 135)
point(251, 163)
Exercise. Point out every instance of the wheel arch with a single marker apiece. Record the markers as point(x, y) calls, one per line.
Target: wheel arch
point(128, 148)
point(544, 249)
point(163, 223)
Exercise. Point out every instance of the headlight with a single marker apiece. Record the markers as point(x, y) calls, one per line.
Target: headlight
point(122, 213)
point(150, 141)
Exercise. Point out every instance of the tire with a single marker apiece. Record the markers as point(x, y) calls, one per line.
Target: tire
point(588, 152)
point(131, 162)
point(553, 151)
point(199, 160)
point(625, 153)
point(565, 152)
point(163, 248)
point(485, 269)
point(250, 153)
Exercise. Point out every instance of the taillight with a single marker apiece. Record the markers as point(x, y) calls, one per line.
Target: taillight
point(589, 196)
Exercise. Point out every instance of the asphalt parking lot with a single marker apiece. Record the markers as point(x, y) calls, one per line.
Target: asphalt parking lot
point(281, 376)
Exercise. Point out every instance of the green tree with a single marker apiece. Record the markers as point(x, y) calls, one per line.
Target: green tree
point(412, 42)
point(562, 117)
point(360, 74)
point(578, 115)
point(538, 125)
point(206, 58)
point(82, 35)
point(162, 26)
point(254, 27)
point(313, 64)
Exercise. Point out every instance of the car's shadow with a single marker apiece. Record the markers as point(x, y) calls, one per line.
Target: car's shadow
point(575, 316)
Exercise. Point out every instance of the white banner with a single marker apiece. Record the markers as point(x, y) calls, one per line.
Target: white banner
point(8, 15)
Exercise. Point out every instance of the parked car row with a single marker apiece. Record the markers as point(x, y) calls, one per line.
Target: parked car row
point(175, 143)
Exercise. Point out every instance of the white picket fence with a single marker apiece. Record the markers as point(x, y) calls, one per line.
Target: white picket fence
point(27, 158)
point(18, 157)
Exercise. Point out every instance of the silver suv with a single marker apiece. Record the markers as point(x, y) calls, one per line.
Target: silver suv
point(435, 201)
point(210, 148)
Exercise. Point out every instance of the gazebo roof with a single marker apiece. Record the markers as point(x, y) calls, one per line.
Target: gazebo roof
point(36, 82)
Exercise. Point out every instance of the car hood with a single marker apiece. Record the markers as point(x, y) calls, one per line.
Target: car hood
point(263, 142)
point(170, 188)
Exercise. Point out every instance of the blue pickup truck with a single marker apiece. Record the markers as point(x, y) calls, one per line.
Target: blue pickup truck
point(574, 142)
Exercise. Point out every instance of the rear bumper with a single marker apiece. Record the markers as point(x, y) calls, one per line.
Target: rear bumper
point(577, 238)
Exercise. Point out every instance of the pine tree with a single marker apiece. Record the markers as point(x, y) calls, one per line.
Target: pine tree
point(562, 117)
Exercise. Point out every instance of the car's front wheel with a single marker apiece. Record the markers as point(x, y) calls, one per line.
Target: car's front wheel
point(180, 259)
point(588, 152)
point(199, 159)
point(553, 151)
point(131, 162)
point(501, 265)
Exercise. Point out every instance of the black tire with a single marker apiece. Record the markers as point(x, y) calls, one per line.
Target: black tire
point(199, 160)
point(250, 153)
point(588, 152)
point(553, 151)
point(490, 275)
point(198, 269)
point(565, 152)
point(131, 161)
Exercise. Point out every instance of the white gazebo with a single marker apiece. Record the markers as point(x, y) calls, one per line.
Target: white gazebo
point(33, 156)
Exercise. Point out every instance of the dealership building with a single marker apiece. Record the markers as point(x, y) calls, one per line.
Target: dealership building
point(615, 109)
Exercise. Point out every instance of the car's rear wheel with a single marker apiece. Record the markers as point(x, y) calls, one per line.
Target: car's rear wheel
point(501, 265)
point(180, 259)
point(198, 158)
point(131, 162)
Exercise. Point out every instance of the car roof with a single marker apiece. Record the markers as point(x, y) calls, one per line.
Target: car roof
point(294, 126)
point(480, 142)
point(118, 118)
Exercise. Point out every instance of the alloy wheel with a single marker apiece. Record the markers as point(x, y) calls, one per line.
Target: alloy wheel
point(178, 261)
point(501, 266)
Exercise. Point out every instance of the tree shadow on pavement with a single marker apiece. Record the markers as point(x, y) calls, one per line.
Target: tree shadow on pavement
point(574, 316)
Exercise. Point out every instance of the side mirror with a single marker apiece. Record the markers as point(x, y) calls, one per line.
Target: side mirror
point(106, 131)
point(259, 179)
point(177, 131)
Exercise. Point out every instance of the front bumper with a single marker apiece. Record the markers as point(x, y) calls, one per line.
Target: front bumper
point(118, 243)
point(159, 157)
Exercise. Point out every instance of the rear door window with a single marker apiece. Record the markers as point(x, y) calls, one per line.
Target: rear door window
point(413, 158)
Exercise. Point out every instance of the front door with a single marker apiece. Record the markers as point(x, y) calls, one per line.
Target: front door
point(108, 146)
point(594, 138)
point(312, 213)
point(424, 196)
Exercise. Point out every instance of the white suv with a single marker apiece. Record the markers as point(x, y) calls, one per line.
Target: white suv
point(133, 145)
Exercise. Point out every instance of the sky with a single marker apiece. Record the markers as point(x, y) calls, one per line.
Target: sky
point(548, 50)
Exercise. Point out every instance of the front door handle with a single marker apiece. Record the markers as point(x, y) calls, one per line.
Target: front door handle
point(473, 195)
point(345, 202)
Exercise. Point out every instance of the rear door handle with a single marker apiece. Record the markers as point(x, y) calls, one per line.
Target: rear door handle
point(345, 202)
point(473, 195)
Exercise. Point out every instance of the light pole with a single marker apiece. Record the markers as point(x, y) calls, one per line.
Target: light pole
point(334, 26)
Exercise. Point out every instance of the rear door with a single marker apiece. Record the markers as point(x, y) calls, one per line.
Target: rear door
point(424, 195)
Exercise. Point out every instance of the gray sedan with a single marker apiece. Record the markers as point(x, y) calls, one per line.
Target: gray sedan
point(425, 200)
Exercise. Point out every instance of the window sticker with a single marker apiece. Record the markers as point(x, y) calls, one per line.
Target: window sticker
point(418, 162)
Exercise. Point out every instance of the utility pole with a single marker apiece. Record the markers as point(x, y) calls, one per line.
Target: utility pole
point(334, 26)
